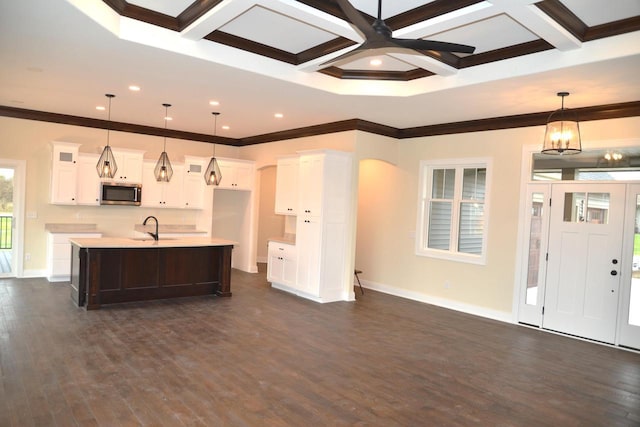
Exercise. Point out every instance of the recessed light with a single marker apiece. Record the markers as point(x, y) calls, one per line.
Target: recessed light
point(214, 103)
point(100, 108)
point(278, 115)
point(375, 62)
point(134, 88)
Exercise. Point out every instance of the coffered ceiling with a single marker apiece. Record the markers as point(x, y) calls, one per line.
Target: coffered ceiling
point(261, 57)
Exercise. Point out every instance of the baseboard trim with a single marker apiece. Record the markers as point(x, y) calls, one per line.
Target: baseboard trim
point(475, 310)
point(32, 274)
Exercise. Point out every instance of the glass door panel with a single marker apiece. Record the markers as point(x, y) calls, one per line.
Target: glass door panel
point(533, 261)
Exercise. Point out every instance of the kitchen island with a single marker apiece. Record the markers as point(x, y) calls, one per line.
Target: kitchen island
point(115, 270)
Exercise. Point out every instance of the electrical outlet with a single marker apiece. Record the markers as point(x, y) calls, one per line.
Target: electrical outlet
point(27, 256)
point(447, 285)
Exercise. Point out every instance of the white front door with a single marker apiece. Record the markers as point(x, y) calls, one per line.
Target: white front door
point(584, 259)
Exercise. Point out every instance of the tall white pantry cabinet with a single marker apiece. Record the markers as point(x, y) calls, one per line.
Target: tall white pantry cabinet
point(323, 226)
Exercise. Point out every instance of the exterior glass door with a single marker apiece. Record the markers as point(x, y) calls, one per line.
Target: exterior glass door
point(630, 289)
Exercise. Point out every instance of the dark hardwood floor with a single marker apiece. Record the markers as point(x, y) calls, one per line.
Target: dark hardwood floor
point(266, 358)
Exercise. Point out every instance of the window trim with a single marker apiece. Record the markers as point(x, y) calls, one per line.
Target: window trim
point(424, 199)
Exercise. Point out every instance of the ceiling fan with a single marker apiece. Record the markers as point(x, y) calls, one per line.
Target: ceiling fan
point(379, 36)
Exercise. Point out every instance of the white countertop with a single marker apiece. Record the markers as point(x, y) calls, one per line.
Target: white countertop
point(127, 242)
point(168, 228)
point(70, 228)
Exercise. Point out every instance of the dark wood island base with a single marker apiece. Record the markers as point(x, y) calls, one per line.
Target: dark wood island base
point(107, 275)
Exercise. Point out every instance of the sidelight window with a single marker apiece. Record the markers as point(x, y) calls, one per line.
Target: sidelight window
point(452, 217)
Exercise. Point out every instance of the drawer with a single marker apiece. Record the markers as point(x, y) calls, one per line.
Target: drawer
point(283, 249)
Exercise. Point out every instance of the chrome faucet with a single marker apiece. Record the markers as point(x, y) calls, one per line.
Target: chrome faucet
point(154, 235)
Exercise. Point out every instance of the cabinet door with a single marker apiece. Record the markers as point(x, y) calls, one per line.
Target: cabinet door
point(236, 175)
point(244, 176)
point(151, 189)
point(88, 181)
point(289, 271)
point(309, 236)
point(287, 187)
point(161, 194)
point(130, 166)
point(172, 190)
point(194, 185)
point(64, 175)
point(274, 263)
point(310, 185)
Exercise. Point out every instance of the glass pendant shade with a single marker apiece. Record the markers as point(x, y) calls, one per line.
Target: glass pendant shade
point(106, 166)
point(562, 135)
point(163, 170)
point(212, 175)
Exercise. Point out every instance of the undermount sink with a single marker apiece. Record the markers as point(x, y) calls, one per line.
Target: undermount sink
point(150, 239)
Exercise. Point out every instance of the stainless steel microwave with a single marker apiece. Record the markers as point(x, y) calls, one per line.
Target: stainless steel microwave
point(113, 193)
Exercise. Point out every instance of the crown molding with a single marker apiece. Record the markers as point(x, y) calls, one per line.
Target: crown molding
point(598, 112)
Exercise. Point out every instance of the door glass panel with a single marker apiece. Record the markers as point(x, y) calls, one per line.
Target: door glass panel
point(634, 301)
point(598, 208)
point(535, 241)
point(592, 208)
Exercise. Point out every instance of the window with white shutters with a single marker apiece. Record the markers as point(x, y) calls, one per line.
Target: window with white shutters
point(452, 209)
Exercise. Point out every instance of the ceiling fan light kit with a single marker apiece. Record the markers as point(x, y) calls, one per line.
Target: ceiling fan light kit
point(562, 134)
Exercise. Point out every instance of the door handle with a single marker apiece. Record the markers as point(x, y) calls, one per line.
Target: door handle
point(614, 273)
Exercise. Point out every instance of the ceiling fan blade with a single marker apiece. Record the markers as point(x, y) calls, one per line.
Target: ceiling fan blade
point(420, 44)
point(356, 18)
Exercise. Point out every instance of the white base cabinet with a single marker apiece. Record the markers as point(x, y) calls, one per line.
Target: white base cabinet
point(281, 264)
point(59, 255)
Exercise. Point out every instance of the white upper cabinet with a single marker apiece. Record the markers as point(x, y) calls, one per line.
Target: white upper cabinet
point(287, 186)
point(194, 185)
point(64, 173)
point(161, 194)
point(310, 185)
point(88, 188)
point(129, 164)
point(236, 174)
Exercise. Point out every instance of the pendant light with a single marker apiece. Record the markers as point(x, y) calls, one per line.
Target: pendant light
point(213, 176)
point(562, 135)
point(106, 166)
point(163, 170)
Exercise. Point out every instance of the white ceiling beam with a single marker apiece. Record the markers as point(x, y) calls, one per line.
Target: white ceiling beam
point(425, 62)
point(457, 18)
point(217, 17)
point(535, 20)
point(229, 10)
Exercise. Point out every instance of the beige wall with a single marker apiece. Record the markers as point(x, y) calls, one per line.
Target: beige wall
point(387, 210)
